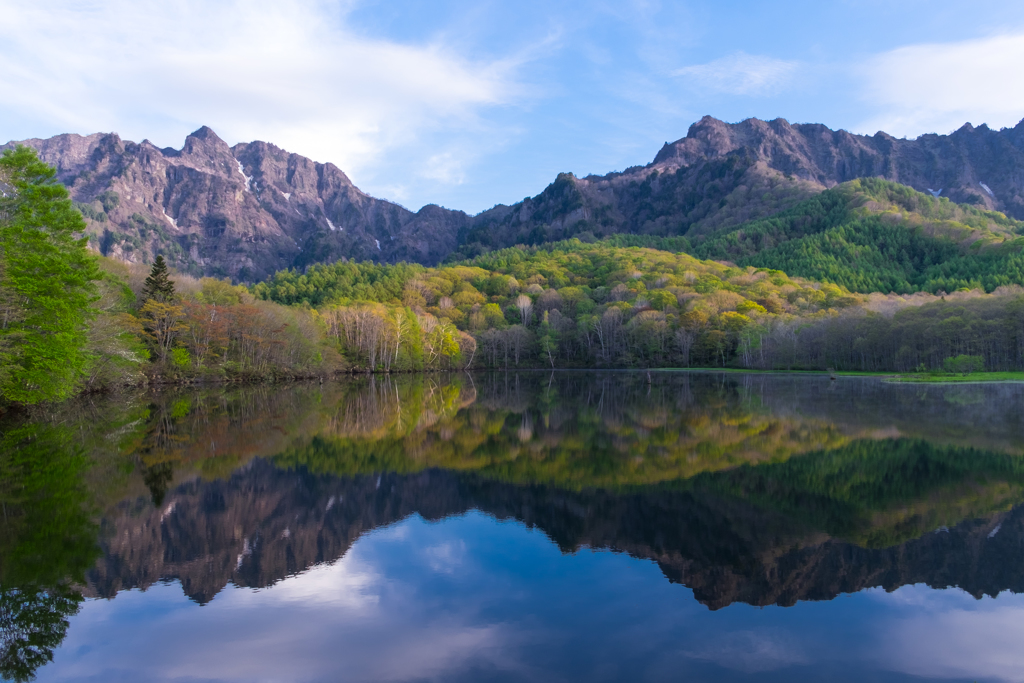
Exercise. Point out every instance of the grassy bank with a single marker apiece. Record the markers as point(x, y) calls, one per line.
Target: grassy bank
point(973, 378)
point(917, 377)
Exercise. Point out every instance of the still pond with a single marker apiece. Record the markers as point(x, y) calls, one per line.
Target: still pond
point(531, 526)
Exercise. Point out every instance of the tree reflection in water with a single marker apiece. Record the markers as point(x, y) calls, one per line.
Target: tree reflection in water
point(47, 541)
point(33, 623)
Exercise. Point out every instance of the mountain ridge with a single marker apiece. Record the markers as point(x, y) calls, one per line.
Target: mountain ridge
point(240, 212)
point(247, 210)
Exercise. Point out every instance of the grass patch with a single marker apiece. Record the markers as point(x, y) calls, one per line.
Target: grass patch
point(960, 379)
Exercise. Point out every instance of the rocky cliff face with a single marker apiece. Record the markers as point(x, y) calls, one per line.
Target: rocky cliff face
point(264, 524)
point(248, 210)
point(973, 165)
point(241, 212)
point(723, 174)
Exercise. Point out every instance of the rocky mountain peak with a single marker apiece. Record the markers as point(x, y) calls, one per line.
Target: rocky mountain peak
point(246, 211)
point(204, 133)
point(242, 212)
point(963, 163)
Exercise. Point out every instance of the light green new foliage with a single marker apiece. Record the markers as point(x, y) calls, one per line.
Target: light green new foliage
point(46, 282)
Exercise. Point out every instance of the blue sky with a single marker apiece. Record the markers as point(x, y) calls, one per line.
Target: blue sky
point(468, 104)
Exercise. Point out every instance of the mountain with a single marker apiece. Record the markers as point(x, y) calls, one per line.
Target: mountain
point(722, 175)
point(241, 212)
point(872, 235)
point(248, 210)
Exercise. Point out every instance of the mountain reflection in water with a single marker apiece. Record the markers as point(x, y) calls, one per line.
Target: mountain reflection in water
point(757, 489)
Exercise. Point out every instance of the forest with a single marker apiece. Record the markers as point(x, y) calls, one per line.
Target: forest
point(904, 282)
point(574, 304)
point(870, 235)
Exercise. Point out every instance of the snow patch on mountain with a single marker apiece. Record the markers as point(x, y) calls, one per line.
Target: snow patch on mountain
point(248, 178)
point(169, 219)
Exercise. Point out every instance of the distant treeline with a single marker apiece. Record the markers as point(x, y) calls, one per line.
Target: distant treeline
point(575, 304)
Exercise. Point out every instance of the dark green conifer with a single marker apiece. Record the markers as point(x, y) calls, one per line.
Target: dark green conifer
point(158, 285)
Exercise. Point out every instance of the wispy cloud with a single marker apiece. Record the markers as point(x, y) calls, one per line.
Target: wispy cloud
point(982, 642)
point(347, 619)
point(938, 87)
point(289, 71)
point(750, 651)
point(742, 74)
point(446, 167)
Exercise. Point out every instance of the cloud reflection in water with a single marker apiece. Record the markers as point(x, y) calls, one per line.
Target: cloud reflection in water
point(472, 598)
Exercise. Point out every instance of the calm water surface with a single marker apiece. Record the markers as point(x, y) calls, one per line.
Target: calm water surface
point(519, 527)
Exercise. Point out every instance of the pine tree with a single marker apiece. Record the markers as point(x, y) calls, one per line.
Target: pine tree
point(158, 287)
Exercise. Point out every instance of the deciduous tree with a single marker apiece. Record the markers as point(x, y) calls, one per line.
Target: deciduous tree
point(47, 281)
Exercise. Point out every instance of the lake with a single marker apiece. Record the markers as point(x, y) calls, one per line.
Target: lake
point(530, 526)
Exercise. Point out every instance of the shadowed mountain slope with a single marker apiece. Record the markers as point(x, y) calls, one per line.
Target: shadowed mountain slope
point(870, 235)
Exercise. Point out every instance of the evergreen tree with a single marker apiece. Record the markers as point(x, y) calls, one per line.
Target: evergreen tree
point(158, 287)
point(46, 282)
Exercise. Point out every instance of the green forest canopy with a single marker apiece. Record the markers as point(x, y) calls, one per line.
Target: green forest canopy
point(575, 304)
point(871, 235)
point(47, 282)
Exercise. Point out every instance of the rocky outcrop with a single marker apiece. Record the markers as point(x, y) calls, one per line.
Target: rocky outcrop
point(241, 212)
point(973, 165)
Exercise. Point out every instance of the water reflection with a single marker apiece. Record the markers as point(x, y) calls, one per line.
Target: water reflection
point(747, 489)
point(47, 541)
point(265, 523)
point(754, 480)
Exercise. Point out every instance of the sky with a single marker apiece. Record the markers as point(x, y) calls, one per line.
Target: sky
point(471, 103)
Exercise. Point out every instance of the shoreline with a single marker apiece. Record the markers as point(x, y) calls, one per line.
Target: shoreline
point(159, 382)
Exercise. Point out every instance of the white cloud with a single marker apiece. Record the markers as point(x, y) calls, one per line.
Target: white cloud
point(980, 643)
point(751, 651)
point(742, 74)
point(445, 558)
point(445, 167)
point(288, 71)
point(938, 87)
point(342, 621)
point(345, 583)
